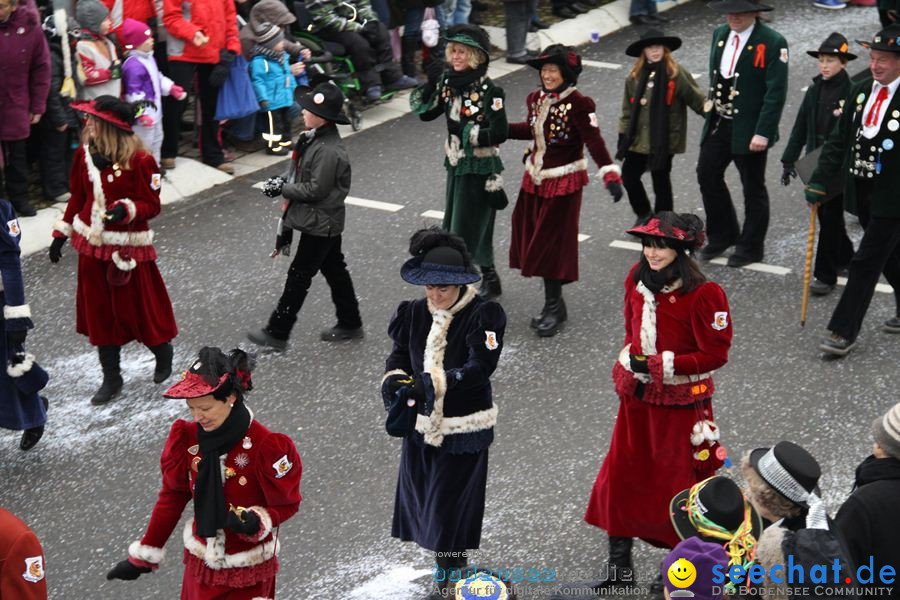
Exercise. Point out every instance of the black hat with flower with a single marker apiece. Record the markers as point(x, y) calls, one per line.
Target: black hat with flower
point(565, 57)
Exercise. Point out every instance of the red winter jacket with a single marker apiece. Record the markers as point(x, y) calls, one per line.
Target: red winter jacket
point(140, 10)
point(217, 19)
point(24, 72)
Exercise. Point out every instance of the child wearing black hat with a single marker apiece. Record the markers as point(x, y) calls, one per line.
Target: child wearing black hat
point(314, 190)
point(819, 112)
point(653, 125)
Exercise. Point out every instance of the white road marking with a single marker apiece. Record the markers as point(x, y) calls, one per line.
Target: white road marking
point(376, 204)
point(583, 237)
point(259, 185)
point(600, 64)
point(433, 214)
point(881, 287)
point(761, 267)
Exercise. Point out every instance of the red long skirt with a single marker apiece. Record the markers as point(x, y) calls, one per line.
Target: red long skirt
point(650, 460)
point(115, 315)
point(545, 236)
point(193, 589)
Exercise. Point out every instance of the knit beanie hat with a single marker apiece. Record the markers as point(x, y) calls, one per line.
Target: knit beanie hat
point(134, 33)
point(886, 431)
point(268, 35)
point(90, 14)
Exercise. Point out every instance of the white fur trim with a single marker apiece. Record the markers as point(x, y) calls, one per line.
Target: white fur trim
point(21, 368)
point(98, 207)
point(265, 521)
point(121, 263)
point(148, 554)
point(454, 150)
point(625, 361)
point(769, 552)
point(668, 363)
point(433, 364)
point(115, 238)
point(394, 372)
point(477, 421)
point(63, 227)
point(539, 175)
point(648, 320)
point(473, 135)
point(535, 165)
point(212, 552)
point(130, 207)
point(22, 311)
point(494, 183)
point(610, 168)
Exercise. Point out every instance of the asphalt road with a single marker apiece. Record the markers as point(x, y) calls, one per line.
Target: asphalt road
point(88, 488)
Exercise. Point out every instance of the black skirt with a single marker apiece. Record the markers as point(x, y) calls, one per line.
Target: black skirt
point(440, 497)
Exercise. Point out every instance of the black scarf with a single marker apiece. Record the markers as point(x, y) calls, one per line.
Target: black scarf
point(659, 114)
point(459, 80)
point(876, 469)
point(210, 512)
point(655, 281)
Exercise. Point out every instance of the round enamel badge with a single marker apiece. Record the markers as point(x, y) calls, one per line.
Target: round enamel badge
point(319, 98)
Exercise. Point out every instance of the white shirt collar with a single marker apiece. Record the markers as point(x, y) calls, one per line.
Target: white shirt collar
point(744, 35)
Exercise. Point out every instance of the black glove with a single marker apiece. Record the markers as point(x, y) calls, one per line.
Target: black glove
point(16, 337)
point(622, 146)
point(455, 128)
point(788, 171)
point(219, 73)
point(615, 190)
point(397, 381)
point(273, 185)
point(56, 249)
point(249, 525)
point(639, 363)
point(127, 571)
point(417, 392)
point(116, 214)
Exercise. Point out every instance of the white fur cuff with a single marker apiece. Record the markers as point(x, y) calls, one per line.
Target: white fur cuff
point(148, 554)
point(473, 135)
point(494, 183)
point(21, 368)
point(121, 263)
point(668, 365)
point(63, 227)
point(265, 522)
point(394, 372)
point(610, 168)
point(23, 311)
point(130, 207)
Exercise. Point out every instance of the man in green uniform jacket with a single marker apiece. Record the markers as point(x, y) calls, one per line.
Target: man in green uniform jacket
point(863, 145)
point(748, 86)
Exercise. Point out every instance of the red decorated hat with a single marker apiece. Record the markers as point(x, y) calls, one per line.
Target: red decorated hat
point(209, 372)
point(104, 112)
point(656, 227)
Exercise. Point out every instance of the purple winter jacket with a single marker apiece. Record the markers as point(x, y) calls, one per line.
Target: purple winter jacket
point(24, 71)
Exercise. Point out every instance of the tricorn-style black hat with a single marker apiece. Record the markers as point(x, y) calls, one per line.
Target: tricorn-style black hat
point(652, 37)
point(565, 57)
point(834, 45)
point(325, 101)
point(886, 40)
point(733, 7)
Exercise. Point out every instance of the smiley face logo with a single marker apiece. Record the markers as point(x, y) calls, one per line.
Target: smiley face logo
point(682, 573)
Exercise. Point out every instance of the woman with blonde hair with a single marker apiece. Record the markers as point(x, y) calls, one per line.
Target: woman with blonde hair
point(121, 295)
point(476, 125)
point(653, 125)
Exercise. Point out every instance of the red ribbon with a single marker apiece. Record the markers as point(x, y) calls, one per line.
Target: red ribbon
point(760, 59)
point(670, 92)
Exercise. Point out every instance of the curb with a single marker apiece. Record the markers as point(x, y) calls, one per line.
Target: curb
point(193, 177)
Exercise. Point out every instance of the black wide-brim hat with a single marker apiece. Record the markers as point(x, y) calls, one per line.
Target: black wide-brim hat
point(208, 372)
point(734, 7)
point(441, 265)
point(652, 37)
point(326, 101)
point(89, 107)
point(834, 45)
point(674, 235)
point(886, 40)
point(794, 459)
point(565, 57)
point(721, 501)
point(470, 35)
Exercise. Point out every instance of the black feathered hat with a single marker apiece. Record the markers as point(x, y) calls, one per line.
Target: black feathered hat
point(652, 37)
point(117, 113)
point(439, 258)
point(834, 45)
point(565, 57)
point(683, 230)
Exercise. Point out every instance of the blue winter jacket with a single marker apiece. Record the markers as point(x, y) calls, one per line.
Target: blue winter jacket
point(273, 81)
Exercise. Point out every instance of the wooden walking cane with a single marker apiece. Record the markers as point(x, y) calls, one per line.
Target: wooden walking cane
point(807, 271)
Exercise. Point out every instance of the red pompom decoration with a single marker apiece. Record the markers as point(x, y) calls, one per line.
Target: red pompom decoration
point(572, 59)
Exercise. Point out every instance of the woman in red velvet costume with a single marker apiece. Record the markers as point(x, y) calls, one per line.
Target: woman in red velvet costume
point(121, 295)
point(561, 122)
point(244, 481)
point(677, 332)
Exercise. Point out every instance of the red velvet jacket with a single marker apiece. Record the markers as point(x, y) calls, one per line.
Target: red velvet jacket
point(22, 574)
point(685, 335)
point(136, 188)
point(560, 126)
point(262, 474)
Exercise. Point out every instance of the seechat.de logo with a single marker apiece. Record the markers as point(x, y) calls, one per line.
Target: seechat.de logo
point(482, 586)
point(681, 575)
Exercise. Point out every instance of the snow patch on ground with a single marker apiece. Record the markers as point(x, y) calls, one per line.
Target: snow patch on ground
point(393, 582)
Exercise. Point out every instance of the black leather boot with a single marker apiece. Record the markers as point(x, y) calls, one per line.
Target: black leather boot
point(112, 376)
point(163, 354)
point(556, 313)
point(619, 570)
point(490, 284)
point(409, 44)
point(536, 320)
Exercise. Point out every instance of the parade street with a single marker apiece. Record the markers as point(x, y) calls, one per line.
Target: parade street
point(88, 488)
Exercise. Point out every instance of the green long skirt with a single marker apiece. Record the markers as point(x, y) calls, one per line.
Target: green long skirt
point(469, 215)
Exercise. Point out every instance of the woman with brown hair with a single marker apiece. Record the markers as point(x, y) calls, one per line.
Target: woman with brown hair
point(115, 192)
point(653, 125)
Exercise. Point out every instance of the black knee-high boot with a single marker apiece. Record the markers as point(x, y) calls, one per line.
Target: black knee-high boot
point(555, 314)
point(619, 569)
point(163, 354)
point(490, 284)
point(536, 320)
point(112, 376)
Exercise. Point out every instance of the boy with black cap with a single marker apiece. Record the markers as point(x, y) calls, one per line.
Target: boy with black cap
point(819, 113)
point(314, 189)
point(868, 518)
